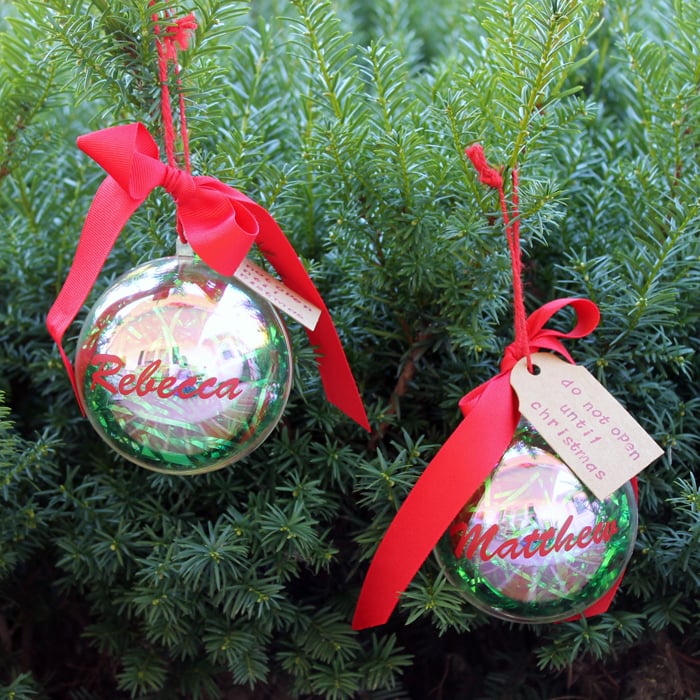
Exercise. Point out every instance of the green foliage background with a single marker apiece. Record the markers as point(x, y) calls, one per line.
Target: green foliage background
point(348, 120)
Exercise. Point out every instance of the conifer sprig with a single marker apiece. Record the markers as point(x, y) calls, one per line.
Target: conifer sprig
point(349, 120)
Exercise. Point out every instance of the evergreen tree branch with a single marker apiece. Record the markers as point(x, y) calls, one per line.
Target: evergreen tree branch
point(406, 375)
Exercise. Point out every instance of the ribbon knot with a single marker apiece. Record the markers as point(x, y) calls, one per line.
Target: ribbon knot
point(511, 356)
point(221, 224)
point(178, 183)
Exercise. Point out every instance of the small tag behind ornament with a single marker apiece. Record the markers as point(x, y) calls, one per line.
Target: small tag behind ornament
point(278, 294)
point(587, 427)
point(270, 289)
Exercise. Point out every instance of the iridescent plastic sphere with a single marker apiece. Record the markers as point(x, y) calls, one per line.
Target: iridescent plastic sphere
point(182, 370)
point(533, 544)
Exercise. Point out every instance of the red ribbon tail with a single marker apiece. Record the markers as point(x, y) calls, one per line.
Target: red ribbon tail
point(455, 473)
point(109, 212)
point(71, 374)
point(601, 605)
point(338, 381)
point(336, 375)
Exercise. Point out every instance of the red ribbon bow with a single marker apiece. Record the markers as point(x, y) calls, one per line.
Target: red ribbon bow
point(221, 225)
point(459, 468)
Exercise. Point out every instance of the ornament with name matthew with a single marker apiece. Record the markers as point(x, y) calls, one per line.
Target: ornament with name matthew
point(180, 367)
point(517, 532)
point(533, 544)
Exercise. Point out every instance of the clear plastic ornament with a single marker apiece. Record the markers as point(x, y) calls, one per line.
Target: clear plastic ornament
point(534, 544)
point(182, 370)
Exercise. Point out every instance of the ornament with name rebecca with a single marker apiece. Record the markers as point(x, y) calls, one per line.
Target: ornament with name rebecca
point(533, 544)
point(179, 367)
point(182, 370)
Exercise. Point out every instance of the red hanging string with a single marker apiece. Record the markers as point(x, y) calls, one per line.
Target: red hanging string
point(492, 177)
point(176, 36)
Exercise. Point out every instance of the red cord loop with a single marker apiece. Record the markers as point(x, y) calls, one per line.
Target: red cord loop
point(492, 177)
point(178, 35)
point(487, 175)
